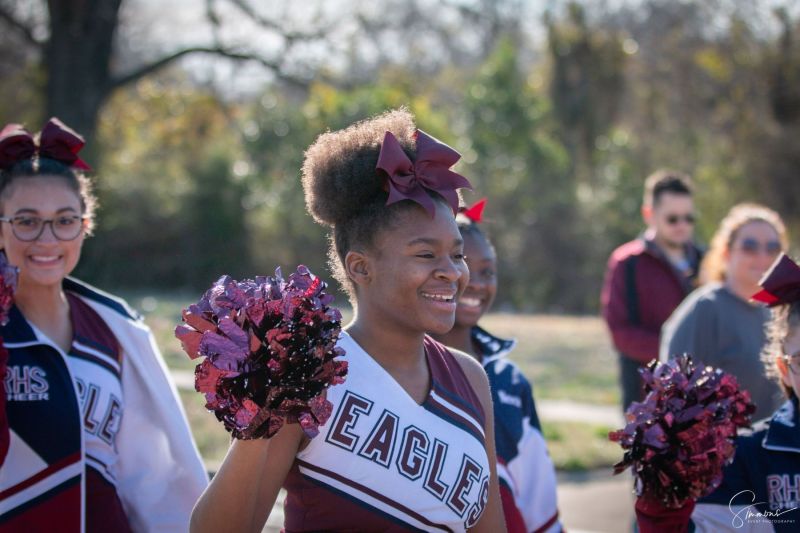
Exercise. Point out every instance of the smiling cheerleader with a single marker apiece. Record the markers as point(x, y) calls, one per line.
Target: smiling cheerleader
point(409, 445)
point(97, 439)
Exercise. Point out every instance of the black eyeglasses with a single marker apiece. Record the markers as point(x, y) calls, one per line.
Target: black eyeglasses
point(674, 219)
point(29, 228)
point(793, 362)
point(752, 246)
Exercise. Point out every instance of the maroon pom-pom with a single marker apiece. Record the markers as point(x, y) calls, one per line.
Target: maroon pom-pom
point(270, 352)
point(8, 284)
point(679, 438)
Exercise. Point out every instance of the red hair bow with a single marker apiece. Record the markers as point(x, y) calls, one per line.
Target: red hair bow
point(781, 284)
point(475, 212)
point(56, 141)
point(407, 180)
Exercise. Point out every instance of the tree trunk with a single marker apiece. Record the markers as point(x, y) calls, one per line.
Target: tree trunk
point(78, 61)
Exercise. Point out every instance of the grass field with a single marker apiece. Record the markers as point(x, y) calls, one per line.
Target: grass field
point(565, 357)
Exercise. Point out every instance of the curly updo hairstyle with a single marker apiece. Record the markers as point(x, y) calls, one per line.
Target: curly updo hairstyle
point(343, 190)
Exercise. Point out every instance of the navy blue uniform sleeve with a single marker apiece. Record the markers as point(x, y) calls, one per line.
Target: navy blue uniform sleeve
point(741, 490)
point(529, 405)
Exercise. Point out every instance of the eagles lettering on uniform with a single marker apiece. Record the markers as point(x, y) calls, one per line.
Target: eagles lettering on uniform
point(409, 466)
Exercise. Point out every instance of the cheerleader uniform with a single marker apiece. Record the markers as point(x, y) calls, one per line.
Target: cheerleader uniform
point(97, 439)
point(524, 469)
point(383, 462)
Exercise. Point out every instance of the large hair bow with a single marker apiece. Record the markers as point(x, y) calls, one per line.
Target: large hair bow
point(56, 141)
point(781, 284)
point(407, 180)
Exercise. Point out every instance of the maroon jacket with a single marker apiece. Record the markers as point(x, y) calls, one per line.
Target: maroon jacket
point(641, 290)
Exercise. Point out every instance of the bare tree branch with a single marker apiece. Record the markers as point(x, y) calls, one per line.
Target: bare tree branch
point(21, 27)
point(150, 68)
point(213, 19)
point(290, 36)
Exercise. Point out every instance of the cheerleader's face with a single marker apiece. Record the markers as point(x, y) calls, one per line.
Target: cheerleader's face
point(45, 261)
point(417, 271)
point(482, 286)
point(791, 347)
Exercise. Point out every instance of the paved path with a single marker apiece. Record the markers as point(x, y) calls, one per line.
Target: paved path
point(596, 502)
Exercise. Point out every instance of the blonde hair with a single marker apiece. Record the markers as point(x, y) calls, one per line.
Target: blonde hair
point(714, 267)
point(783, 320)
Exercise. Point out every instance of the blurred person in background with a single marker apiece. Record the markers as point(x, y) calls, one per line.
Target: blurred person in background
point(718, 324)
point(648, 277)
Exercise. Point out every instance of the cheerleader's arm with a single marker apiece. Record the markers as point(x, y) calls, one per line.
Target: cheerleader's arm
point(242, 493)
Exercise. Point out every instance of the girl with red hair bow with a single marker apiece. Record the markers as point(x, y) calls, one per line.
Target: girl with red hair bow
point(526, 473)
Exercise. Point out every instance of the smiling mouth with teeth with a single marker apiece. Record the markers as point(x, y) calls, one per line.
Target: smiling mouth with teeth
point(470, 302)
point(439, 297)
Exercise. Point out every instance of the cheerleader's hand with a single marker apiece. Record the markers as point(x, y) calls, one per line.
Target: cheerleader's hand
point(652, 516)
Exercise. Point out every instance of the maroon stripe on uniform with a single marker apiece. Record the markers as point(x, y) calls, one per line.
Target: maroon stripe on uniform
point(90, 329)
point(444, 412)
point(357, 487)
point(547, 524)
point(104, 511)
point(74, 352)
point(49, 471)
point(450, 382)
point(58, 509)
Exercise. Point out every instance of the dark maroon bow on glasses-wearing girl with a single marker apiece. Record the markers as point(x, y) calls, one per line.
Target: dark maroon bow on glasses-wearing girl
point(407, 180)
point(56, 141)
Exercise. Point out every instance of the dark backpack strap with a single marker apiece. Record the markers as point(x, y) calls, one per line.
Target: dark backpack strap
point(631, 295)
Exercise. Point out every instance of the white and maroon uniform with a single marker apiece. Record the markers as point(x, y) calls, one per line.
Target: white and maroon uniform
point(96, 439)
point(383, 462)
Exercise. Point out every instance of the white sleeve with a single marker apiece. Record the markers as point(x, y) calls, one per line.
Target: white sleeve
point(716, 518)
point(534, 481)
point(161, 475)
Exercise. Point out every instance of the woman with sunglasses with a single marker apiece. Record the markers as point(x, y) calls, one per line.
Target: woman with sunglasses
point(760, 489)
point(718, 324)
point(92, 435)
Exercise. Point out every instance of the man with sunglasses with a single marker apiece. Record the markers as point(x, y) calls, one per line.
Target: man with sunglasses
point(648, 277)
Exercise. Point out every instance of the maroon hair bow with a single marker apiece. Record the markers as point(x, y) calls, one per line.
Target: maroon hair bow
point(474, 212)
point(407, 180)
point(56, 141)
point(781, 284)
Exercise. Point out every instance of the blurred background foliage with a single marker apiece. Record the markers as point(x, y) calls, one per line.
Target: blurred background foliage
point(560, 110)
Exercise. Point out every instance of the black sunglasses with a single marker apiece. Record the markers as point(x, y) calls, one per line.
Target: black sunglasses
point(752, 246)
point(674, 219)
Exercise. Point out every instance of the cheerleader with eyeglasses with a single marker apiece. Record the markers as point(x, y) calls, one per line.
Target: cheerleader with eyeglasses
point(92, 434)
